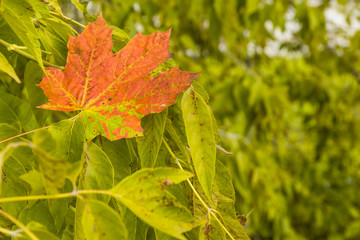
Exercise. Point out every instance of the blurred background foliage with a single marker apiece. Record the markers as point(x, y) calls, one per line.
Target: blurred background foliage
point(283, 78)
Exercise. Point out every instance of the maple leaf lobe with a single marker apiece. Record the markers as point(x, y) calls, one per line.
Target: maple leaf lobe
point(114, 91)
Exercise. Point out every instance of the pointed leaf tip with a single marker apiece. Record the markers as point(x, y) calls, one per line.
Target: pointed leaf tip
point(114, 91)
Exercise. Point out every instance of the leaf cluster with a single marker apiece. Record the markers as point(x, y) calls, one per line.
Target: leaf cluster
point(290, 118)
point(57, 183)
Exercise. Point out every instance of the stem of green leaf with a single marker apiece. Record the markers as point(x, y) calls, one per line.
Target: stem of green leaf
point(67, 19)
point(210, 210)
point(6, 231)
point(27, 55)
point(32, 131)
point(57, 196)
point(23, 134)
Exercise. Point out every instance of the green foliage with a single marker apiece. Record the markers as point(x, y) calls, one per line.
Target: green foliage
point(290, 116)
point(57, 184)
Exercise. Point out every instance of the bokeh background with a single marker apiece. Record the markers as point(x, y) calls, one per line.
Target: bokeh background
point(283, 79)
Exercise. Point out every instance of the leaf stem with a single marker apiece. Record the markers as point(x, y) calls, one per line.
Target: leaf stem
point(67, 19)
point(6, 231)
point(210, 210)
point(57, 196)
point(23, 134)
point(11, 47)
point(32, 131)
point(22, 226)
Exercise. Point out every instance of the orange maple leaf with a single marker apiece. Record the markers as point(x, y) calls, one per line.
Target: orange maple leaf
point(114, 91)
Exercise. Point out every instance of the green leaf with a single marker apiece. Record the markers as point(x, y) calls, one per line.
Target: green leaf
point(211, 230)
point(102, 222)
point(199, 210)
point(78, 228)
point(11, 185)
point(144, 194)
point(7, 68)
point(163, 236)
point(19, 15)
point(7, 131)
point(199, 132)
point(34, 179)
point(119, 37)
point(136, 228)
point(223, 181)
point(39, 230)
point(200, 90)
point(141, 230)
point(184, 153)
point(82, 5)
point(32, 76)
point(119, 155)
point(38, 212)
point(59, 207)
point(149, 144)
point(215, 127)
point(53, 169)
point(59, 28)
point(54, 45)
point(69, 137)
point(54, 4)
point(98, 172)
point(130, 221)
point(40, 7)
point(176, 117)
point(234, 227)
point(16, 112)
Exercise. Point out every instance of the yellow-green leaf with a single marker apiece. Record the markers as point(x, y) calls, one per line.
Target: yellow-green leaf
point(149, 144)
point(199, 132)
point(99, 221)
point(7, 68)
point(20, 16)
point(145, 194)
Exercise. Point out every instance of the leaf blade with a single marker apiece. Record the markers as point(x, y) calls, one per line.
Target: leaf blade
point(149, 144)
point(102, 222)
point(19, 16)
point(7, 68)
point(144, 194)
point(199, 132)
